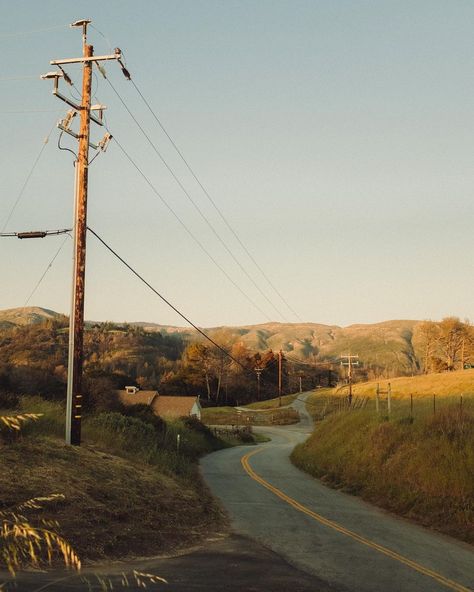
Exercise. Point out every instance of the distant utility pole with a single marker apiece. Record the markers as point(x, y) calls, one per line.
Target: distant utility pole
point(74, 400)
point(280, 356)
point(350, 361)
point(258, 370)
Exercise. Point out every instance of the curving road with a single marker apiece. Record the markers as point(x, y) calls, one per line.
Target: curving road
point(343, 541)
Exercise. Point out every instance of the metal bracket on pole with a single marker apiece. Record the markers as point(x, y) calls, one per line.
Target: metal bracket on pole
point(83, 59)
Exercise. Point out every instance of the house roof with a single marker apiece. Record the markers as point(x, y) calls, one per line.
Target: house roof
point(138, 398)
point(173, 406)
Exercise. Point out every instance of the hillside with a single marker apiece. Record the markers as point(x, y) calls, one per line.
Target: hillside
point(416, 460)
point(28, 315)
point(442, 384)
point(390, 345)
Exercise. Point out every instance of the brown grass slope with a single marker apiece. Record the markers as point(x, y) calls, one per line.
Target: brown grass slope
point(113, 507)
point(419, 462)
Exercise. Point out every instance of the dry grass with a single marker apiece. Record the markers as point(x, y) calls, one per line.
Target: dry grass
point(272, 403)
point(111, 506)
point(421, 467)
point(230, 416)
point(446, 384)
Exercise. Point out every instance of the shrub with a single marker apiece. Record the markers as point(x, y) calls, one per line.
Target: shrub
point(9, 400)
point(145, 413)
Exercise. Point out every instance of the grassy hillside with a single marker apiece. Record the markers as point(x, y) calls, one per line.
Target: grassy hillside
point(421, 469)
point(127, 489)
point(443, 384)
point(419, 462)
point(391, 345)
point(27, 315)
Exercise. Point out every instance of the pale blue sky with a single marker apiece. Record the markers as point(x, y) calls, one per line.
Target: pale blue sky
point(336, 136)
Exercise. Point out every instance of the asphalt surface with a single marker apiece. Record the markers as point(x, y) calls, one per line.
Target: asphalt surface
point(345, 542)
point(224, 564)
point(290, 533)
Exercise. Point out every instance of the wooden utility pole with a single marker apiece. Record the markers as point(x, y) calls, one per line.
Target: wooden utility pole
point(350, 361)
point(280, 355)
point(76, 320)
point(258, 370)
point(74, 397)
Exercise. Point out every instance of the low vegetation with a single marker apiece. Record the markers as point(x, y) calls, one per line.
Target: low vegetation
point(231, 416)
point(132, 487)
point(446, 384)
point(418, 462)
point(272, 403)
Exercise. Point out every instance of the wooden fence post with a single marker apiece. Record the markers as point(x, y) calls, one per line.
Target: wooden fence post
point(389, 399)
point(377, 399)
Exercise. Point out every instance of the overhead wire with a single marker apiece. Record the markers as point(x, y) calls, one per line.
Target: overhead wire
point(188, 230)
point(31, 32)
point(22, 111)
point(196, 206)
point(205, 191)
point(193, 201)
point(214, 204)
point(48, 267)
point(28, 177)
point(309, 364)
point(165, 300)
point(43, 232)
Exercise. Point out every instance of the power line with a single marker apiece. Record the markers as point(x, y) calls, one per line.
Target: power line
point(214, 204)
point(309, 364)
point(28, 177)
point(187, 229)
point(9, 78)
point(20, 33)
point(22, 111)
point(193, 202)
point(47, 269)
point(35, 233)
point(165, 300)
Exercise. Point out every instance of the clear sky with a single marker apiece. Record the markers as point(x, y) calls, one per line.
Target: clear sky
point(337, 138)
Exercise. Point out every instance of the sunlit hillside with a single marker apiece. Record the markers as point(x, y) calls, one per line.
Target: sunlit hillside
point(443, 384)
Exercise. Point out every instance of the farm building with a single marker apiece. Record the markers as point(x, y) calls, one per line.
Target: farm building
point(162, 405)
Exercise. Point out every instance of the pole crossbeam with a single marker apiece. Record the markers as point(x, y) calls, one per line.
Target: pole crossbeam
point(350, 361)
point(86, 59)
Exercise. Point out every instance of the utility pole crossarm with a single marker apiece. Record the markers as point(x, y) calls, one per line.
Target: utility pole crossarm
point(349, 360)
point(85, 59)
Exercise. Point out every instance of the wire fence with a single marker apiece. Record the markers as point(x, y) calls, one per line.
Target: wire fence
point(390, 406)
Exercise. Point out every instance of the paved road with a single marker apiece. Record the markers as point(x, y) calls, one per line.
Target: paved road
point(347, 543)
point(222, 564)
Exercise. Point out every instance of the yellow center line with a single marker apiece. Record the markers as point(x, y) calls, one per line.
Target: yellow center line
point(353, 535)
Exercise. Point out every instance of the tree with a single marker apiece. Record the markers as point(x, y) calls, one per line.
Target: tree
point(452, 335)
point(429, 334)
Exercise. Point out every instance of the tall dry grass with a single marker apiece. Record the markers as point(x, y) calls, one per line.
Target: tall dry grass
point(27, 540)
point(421, 467)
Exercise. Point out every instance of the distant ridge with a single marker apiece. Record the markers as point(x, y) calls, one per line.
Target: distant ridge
point(28, 315)
point(392, 344)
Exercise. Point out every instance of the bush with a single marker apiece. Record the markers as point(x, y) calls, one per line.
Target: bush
point(101, 396)
point(9, 400)
point(145, 413)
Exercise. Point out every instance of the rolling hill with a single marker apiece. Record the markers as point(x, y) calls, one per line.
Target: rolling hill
point(392, 345)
